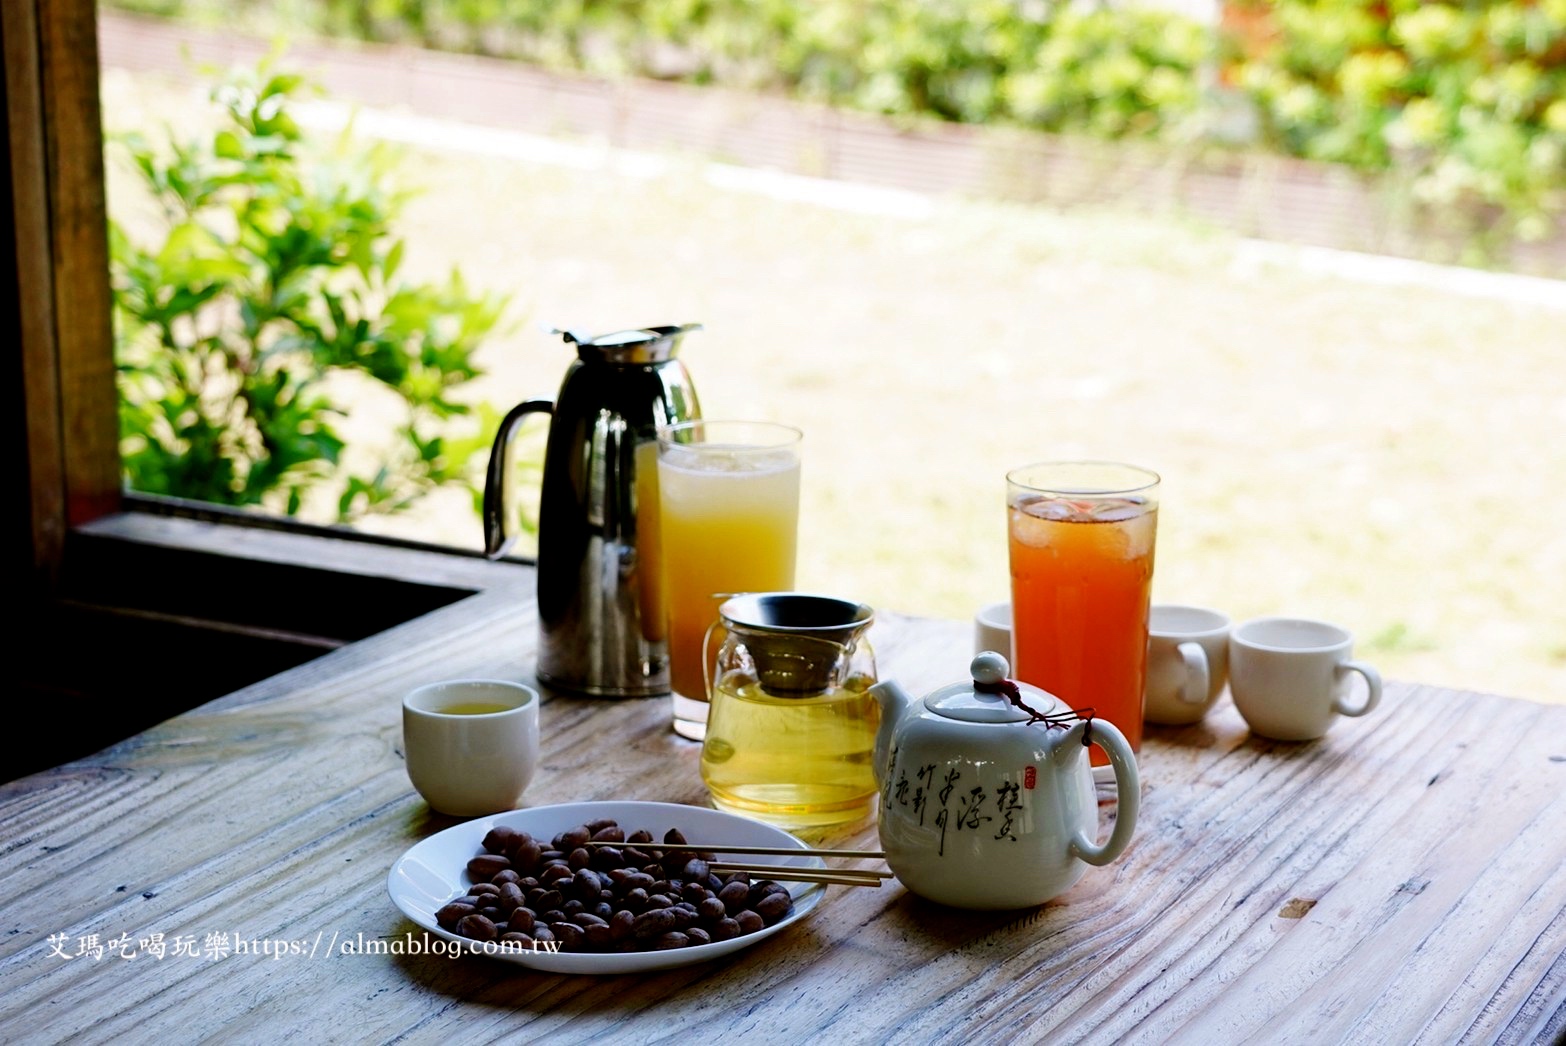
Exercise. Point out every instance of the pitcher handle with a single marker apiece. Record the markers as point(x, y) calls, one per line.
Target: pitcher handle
point(496, 541)
point(1128, 787)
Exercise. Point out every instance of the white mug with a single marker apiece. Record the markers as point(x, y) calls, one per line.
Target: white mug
point(1187, 663)
point(992, 630)
point(1289, 676)
point(471, 744)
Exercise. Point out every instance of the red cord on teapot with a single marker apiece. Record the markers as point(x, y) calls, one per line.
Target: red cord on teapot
point(1052, 720)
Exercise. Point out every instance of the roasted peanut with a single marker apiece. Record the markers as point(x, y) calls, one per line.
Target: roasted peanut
point(607, 858)
point(525, 855)
point(499, 838)
point(486, 866)
point(773, 907)
point(572, 838)
point(735, 897)
point(572, 937)
point(477, 927)
point(653, 922)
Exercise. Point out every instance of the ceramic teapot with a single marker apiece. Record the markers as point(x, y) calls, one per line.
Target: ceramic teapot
point(987, 800)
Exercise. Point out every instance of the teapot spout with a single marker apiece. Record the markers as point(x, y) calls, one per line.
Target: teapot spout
point(894, 701)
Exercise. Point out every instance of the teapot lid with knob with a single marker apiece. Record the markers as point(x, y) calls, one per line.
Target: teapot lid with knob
point(985, 698)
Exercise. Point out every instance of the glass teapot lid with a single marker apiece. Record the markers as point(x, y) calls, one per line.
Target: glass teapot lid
point(795, 639)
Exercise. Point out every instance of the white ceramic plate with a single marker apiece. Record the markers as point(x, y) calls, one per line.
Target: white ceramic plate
point(435, 871)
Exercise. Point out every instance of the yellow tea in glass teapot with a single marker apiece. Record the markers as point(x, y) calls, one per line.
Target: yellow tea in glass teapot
point(791, 730)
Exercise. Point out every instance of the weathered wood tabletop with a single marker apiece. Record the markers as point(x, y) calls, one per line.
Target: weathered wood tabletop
point(1403, 880)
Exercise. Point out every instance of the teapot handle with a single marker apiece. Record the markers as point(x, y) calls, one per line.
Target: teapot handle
point(1128, 787)
point(496, 541)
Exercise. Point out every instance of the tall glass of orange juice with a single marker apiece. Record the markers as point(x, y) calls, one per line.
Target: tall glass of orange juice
point(728, 496)
point(1081, 540)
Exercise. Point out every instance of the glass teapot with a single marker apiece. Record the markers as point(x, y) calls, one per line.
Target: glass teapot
point(792, 727)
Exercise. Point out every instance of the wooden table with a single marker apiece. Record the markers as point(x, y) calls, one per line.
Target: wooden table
point(1403, 880)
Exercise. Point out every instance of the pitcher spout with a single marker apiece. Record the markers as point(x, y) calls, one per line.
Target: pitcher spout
point(894, 701)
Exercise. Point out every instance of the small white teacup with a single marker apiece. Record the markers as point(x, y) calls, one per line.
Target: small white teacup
point(1187, 663)
point(992, 630)
point(1289, 676)
point(471, 744)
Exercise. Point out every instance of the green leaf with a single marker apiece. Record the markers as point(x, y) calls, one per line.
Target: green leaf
point(227, 145)
point(393, 262)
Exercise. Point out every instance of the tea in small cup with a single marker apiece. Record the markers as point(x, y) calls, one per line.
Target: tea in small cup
point(1187, 663)
point(1289, 676)
point(471, 744)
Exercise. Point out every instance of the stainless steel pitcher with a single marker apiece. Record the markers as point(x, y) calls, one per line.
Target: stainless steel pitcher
point(600, 614)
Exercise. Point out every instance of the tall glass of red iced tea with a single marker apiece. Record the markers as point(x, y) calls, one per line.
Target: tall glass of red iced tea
point(1081, 537)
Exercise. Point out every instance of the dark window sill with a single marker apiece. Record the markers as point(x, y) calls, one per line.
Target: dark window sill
point(160, 611)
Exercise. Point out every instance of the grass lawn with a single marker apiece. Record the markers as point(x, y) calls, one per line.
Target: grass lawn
point(1389, 457)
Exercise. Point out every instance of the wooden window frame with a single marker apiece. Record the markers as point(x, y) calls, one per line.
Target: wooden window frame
point(56, 291)
point(54, 282)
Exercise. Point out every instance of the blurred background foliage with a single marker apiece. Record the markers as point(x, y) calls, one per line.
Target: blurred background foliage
point(264, 304)
point(1463, 101)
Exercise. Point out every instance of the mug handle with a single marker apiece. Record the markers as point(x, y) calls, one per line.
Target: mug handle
point(1128, 786)
point(1372, 681)
point(1196, 678)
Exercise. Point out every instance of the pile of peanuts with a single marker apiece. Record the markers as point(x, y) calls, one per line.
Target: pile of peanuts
point(630, 895)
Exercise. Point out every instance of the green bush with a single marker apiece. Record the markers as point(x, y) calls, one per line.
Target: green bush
point(269, 303)
point(1468, 101)
point(1465, 100)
